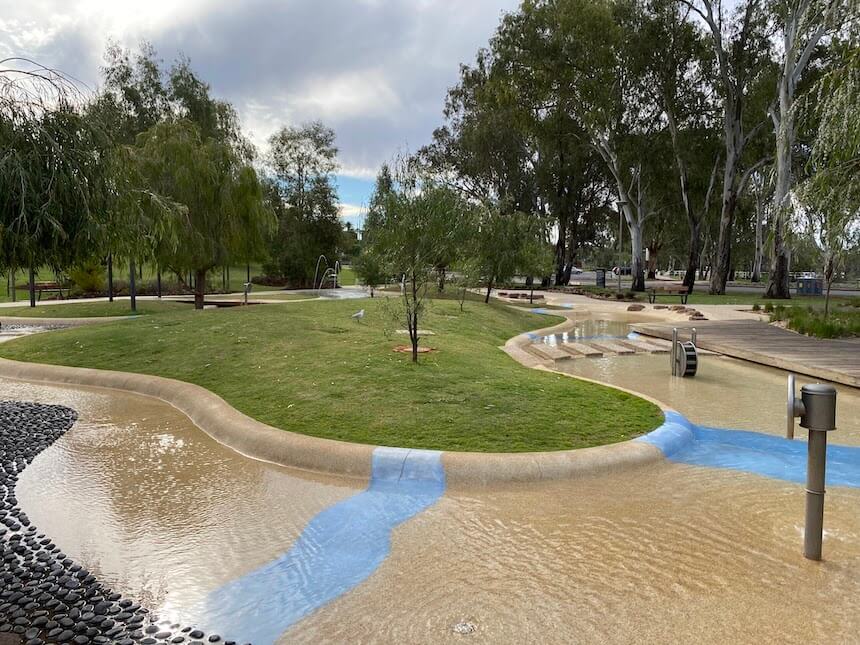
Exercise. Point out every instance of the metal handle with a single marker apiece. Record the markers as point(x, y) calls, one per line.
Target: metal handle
point(793, 408)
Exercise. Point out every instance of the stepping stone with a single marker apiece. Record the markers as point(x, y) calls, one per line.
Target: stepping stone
point(581, 349)
point(646, 346)
point(551, 352)
point(537, 350)
point(611, 346)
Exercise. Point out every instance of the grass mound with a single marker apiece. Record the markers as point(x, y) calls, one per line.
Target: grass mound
point(309, 368)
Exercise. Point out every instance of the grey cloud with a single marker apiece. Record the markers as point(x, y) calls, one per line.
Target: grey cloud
point(278, 60)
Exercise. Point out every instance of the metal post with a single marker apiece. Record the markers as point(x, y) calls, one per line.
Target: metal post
point(673, 353)
point(620, 237)
point(815, 467)
point(693, 336)
point(158, 280)
point(818, 415)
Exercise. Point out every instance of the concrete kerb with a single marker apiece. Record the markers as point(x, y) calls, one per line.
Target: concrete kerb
point(258, 440)
point(215, 417)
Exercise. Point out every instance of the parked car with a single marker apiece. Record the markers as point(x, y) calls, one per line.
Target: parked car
point(575, 270)
point(622, 270)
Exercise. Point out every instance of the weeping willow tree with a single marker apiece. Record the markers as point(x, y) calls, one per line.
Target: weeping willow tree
point(223, 213)
point(52, 169)
point(831, 197)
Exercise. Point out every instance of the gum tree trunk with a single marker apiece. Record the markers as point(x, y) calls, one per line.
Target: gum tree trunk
point(804, 26)
point(110, 276)
point(693, 252)
point(132, 285)
point(32, 286)
point(199, 288)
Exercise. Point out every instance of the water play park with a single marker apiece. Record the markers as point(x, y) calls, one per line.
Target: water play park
point(150, 509)
point(475, 323)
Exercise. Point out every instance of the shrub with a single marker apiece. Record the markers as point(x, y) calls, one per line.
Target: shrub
point(768, 307)
point(756, 307)
point(88, 278)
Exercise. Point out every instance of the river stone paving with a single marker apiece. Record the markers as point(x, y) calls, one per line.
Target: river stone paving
point(44, 596)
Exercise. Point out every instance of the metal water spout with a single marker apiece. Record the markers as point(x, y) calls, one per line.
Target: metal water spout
point(336, 272)
point(316, 271)
point(817, 411)
point(328, 273)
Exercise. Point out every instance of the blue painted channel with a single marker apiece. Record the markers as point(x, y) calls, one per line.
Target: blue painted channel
point(339, 549)
point(767, 455)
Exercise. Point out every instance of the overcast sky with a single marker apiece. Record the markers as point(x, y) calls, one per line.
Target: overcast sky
point(374, 70)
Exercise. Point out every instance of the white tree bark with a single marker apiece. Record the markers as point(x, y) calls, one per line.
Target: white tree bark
point(632, 205)
point(804, 23)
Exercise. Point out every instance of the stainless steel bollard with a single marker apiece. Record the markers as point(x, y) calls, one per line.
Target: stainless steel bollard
point(674, 353)
point(818, 415)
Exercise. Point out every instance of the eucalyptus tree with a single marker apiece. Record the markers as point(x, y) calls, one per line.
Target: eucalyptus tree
point(303, 161)
point(224, 211)
point(51, 172)
point(677, 79)
point(740, 42)
point(802, 25)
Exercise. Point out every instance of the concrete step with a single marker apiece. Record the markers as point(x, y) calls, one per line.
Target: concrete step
point(641, 345)
point(611, 346)
point(581, 349)
point(548, 352)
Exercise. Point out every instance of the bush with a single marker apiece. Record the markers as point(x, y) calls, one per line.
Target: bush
point(768, 307)
point(88, 278)
point(756, 307)
point(810, 321)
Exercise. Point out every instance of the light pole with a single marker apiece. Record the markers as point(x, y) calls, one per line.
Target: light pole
point(621, 205)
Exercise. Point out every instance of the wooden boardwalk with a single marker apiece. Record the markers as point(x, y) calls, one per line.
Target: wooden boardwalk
point(832, 360)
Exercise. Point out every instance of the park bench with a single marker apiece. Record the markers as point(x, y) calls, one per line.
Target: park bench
point(49, 287)
point(681, 292)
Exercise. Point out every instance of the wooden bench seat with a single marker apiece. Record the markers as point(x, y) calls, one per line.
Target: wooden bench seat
point(681, 292)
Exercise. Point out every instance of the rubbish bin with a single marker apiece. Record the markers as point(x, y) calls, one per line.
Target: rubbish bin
point(600, 278)
point(810, 286)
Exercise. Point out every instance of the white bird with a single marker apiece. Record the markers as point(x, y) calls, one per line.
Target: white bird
point(358, 316)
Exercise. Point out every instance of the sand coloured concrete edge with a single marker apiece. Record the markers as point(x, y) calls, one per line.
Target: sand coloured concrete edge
point(257, 440)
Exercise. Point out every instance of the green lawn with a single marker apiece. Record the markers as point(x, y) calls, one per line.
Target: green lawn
point(93, 309)
point(347, 276)
point(311, 369)
point(703, 298)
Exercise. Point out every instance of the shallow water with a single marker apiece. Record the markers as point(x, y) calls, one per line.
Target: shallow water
point(725, 393)
point(666, 554)
point(588, 330)
point(153, 506)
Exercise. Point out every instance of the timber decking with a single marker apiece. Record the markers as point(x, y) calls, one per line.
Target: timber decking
point(832, 360)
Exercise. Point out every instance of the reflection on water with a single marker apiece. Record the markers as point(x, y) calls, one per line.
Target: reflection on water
point(153, 506)
point(342, 294)
point(725, 392)
point(589, 330)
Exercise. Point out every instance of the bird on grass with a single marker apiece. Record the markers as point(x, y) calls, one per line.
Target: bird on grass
point(358, 316)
